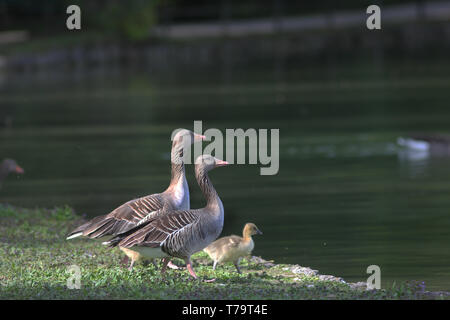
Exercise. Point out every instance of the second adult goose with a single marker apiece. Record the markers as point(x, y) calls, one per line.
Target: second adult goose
point(180, 233)
point(135, 212)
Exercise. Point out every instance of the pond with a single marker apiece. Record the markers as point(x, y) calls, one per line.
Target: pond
point(345, 197)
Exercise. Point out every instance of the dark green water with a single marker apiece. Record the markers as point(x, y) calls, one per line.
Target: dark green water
point(344, 198)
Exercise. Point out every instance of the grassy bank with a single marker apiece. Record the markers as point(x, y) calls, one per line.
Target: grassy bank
point(35, 257)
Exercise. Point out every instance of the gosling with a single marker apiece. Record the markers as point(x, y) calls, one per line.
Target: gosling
point(233, 248)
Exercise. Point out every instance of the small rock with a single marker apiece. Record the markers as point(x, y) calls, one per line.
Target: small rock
point(303, 270)
point(259, 260)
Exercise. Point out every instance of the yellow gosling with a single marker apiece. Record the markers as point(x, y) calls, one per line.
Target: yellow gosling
point(132, 255)
point(135, 256)
point(233, 248)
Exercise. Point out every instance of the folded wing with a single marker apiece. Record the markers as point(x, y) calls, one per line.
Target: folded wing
point(173, 232)
point(122, 219)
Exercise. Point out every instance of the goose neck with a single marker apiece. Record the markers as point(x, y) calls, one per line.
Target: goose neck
point(208, 190)
point(178, 174)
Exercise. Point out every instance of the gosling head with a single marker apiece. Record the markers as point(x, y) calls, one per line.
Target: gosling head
point(251, 229)
point(207, 162)
point(10, 166)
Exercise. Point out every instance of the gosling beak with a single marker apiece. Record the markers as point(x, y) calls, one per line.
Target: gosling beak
point(221, 163)
point(199, 137)
point(19, 170)
point(258, 231)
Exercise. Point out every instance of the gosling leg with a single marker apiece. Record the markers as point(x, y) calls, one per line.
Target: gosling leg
point(124, 261)
point(131, 265)
point(236, 264)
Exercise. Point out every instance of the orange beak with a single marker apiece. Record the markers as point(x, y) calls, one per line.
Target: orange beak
point(199, 137)
point(221, 163)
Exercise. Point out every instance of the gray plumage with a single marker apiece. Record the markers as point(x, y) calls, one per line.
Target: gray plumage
point(180, 233)
point(135, 212)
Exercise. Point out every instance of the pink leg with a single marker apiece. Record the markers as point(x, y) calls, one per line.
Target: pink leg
point(189, 267)
point(172, 266)
point(191, 270)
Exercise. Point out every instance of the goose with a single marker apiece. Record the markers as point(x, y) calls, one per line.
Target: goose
point(431, 143)
point(137, 211)
point(9, 166)
point(233, 248)
point(180, 233)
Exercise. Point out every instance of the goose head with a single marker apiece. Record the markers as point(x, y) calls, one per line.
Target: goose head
point(251, 229)
point(10, 166)
point(184, 138)
point(206, 162)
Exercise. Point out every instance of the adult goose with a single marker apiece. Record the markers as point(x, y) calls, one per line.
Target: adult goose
point(233, 248)
point(433, 143)
point(180, 233)
point(134, 212)
point(9, 166)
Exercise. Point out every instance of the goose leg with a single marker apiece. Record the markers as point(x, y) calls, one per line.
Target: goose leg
point(172, 266)
point(214, 265)
point(189, 267)
point(191, 270)
point(165, 262)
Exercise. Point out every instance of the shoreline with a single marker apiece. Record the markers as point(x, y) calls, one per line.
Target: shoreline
point(39, 259)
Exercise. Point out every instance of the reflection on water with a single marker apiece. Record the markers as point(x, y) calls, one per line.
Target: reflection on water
point(345, 197)
point(415, 162)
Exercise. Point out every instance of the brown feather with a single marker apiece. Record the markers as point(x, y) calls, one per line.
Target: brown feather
point(122, 219)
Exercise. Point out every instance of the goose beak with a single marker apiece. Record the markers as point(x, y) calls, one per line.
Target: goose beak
point(258, 231)
point(221, 163)
point(199, 137)
point(19, 170)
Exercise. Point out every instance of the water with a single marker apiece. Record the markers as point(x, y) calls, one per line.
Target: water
point(345, 197)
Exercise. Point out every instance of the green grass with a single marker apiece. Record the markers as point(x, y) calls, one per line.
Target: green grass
point(35, 258)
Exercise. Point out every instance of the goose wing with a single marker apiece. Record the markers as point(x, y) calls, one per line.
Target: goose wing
point(122, 218)
point(172, 232)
